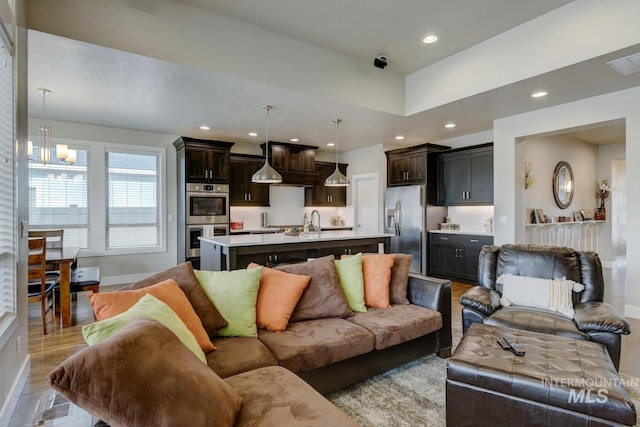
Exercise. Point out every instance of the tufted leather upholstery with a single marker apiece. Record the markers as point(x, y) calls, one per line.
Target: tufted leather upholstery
point(594, 320)
point(535, 389)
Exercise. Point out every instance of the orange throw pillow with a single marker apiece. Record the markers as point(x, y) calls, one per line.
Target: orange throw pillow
point(278, 295)
point(376, 270)
point(108, 304)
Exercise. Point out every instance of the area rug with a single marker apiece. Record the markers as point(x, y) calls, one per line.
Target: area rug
point(413, 395)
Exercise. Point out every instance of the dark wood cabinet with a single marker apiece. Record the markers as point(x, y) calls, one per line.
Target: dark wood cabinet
point(293, 158)
point(409, 166)
point(295, 162)
point(203, 161)
point(320, 194)
point(408, 169)
point(242, 191)
point(198, 161)
point(465, 177)
point(455, 256)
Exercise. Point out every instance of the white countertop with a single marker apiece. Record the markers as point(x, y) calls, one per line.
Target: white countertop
point(280, 238)
point(471, 233)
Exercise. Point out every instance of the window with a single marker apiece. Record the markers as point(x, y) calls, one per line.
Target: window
point(59, 197)
point(109, 202)
point(133, 214)
point(7, 200)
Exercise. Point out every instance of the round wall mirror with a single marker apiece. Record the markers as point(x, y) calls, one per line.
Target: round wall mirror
point(563, 185)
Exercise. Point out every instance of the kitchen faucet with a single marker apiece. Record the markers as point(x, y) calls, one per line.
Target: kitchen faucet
point(315, 211)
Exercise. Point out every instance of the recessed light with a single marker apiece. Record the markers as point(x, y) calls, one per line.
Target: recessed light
point(399, 137)
point(450, 125)
point(205, 127)
point(430, 39)
point(539, 94)
point(294, 140)
point(330, 144)
point(253, 134)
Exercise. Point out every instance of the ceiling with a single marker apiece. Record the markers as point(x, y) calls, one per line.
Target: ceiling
point(103, 86)
point(364, 29)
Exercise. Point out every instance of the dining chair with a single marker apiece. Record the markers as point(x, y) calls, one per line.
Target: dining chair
point(83, 279)
point(55, 239)
point(40, 288)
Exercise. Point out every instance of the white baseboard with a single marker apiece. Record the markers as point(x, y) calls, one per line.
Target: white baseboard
point(123, 280)
point(632, 311)
point(16, 390)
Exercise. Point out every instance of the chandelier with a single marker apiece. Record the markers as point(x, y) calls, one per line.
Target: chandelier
point(44, 140)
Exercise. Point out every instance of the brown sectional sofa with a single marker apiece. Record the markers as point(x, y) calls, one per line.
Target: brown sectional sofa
point(268, 371)
point(332, 353)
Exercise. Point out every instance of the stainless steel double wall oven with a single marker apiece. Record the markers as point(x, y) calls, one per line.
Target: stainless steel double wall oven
point(207, 214)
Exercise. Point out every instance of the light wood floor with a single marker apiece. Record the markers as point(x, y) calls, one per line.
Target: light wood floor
point(47, 352)
point(50, 350)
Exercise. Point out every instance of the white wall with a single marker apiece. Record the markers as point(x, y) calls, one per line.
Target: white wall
point(544, 153)
point(606, 155)
point(509, 170)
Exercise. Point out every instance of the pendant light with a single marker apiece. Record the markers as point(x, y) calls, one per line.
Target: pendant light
point(44, 132)
point(336, 179)
point(267, 174)
point(44, 140)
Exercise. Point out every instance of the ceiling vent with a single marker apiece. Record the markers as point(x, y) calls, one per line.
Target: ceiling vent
point(627, 65)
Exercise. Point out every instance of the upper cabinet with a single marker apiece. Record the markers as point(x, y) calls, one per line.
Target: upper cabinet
point(202, 160)
point(320, 194)
point(408, 166)
point(465, 176)
point(242, 191)
point(295, 162)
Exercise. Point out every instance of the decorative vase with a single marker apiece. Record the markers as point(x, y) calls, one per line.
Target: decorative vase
point(601, 212)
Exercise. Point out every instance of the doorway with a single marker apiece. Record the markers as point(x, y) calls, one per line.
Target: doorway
point(366, 203)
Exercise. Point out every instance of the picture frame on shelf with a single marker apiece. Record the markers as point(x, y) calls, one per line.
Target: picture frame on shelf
point(587, 215)
point(541, 218)
point(577, 216)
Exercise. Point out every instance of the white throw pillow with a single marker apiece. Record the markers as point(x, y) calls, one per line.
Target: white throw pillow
point(550, 294)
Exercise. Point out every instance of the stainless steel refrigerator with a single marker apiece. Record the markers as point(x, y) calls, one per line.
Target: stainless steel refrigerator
point(409, 214)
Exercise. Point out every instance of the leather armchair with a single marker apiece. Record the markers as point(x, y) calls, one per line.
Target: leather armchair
point(594, 319)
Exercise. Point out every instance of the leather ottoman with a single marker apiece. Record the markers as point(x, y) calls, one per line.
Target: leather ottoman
point(558, 382)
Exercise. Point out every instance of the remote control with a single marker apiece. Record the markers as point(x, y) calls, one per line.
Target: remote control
point(515, 347)
point(504, 344)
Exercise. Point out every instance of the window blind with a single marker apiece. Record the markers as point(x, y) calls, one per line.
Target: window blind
point(59, 197)
point(7, 200)
point(133, 199)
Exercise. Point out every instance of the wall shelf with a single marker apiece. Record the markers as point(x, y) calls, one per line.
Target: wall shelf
point(579, 235)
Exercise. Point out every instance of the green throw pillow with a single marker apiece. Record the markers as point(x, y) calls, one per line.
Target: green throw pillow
point(150, 307)
point(352, 281)
point(234, 293)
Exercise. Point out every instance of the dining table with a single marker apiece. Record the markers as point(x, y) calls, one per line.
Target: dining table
point(63, 257)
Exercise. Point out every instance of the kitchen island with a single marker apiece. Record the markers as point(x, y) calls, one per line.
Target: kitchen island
point(232, 252)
